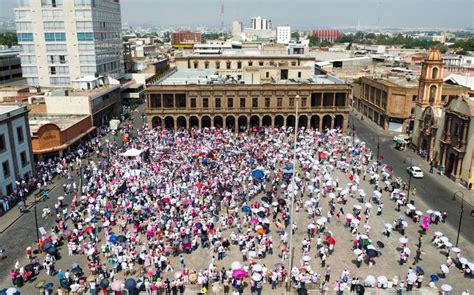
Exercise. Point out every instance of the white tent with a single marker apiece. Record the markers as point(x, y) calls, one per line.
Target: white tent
point(133, 152)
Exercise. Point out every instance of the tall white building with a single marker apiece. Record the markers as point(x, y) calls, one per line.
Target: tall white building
point(63, 40)
point(236, 29)
point(283, 34)
point(260, 23)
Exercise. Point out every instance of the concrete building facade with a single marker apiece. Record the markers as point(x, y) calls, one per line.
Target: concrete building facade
point(63, 40)
point(16, 158)
point(10, 66)
point(283, 34)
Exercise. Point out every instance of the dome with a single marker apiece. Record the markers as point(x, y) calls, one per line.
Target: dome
point(434, 55)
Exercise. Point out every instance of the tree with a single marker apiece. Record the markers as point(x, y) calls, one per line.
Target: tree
point(313, 41)
point(8, 38)
point(295, 36)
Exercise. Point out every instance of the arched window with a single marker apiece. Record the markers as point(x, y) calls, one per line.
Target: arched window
point(434, 73)
point(433, 90)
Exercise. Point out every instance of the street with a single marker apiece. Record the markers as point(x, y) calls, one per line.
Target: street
point(434, 190)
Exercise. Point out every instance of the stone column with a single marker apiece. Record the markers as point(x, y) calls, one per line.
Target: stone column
point(458, 167)
point(465, 126)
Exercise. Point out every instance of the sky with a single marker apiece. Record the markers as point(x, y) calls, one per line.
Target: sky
point(303, 14)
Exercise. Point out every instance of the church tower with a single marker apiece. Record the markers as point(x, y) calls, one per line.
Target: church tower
point(429, 106)
point(431, 80)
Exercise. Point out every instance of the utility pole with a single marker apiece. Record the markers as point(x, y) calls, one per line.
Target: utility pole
point(460, 215)
point(293, 195)
point(409, 179)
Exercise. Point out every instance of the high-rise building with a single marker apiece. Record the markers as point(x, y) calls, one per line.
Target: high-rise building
point(260, 23)
point(283, 34)
point(63, 40)
point(236, 29)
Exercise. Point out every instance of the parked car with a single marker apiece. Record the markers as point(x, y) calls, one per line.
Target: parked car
point(415, 172)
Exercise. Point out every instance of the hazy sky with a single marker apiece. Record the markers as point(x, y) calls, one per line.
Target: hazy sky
point(298, 13)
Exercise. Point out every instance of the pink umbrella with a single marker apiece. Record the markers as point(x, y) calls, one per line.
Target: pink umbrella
point(425, 226)
point(254, 220)
point(116, 285)
point(239, 274)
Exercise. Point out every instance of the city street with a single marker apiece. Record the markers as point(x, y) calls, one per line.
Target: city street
point(434, 190)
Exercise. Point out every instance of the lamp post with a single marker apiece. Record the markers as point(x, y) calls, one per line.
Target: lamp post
point(409, 179)
point(36, 224)
point(460, 215)
point(378, 150)
point(293, 194)
point(353, 132)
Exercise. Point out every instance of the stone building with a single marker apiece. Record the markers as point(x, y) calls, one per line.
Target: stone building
point(457, 141)
point(201, 98)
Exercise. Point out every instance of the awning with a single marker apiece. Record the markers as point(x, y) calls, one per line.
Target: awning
point(63, 146)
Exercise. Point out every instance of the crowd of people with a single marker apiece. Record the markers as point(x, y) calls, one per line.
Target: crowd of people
point(196, 197)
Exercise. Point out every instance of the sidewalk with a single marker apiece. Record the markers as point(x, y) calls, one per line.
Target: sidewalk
point(420, 162)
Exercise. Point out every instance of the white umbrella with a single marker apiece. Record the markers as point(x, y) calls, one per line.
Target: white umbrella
point(368, 205)
point(418, 212)
point(369, 280)
point(407, 251)
point(257, 268)
point(455, 249)
point(367, 226)
point(235, 265)
point(404, 223)
point(364, 237)
point(323, 219)
point(377, 194)
point(438, 233)
point(358, 207)
point(471, 266)
point(411, 277)
point(362, 193)
point(446, 287)
point(252, 254)
point(448, 244)
point(311, 226)
point(349, 216)
point(411, 207)
point(463, 260)
point(437, 213)
point(306, 258)
point(12, 291)
point(357, 251)
point(444, 239)
point(61, 198)
point(444, 268)
point(399, 202)
point(388, 226)
point(344, 192)
point(133, 152)
point(403, 240)
point(382, 279)
point(371, 247)
point(256, 277)
point(429, 212)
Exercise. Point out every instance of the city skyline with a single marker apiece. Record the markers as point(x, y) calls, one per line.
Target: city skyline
point(310, 13)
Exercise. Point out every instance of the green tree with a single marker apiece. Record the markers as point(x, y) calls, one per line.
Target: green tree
point(8, 38)
point(313, 41)
point(295, 36)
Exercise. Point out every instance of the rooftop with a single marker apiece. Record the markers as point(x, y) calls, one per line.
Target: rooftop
point(62, 121)
point(280, 53)
point(8, 108)
point(209, 77)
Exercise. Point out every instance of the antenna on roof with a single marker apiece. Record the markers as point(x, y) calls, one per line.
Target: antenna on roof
point(222, 16)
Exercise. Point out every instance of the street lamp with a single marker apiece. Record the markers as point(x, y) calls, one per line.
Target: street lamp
point(378, 150)
point(460, 215)
point(293, 193)
point(409, 179)
point(36, 223)
point(353, 131)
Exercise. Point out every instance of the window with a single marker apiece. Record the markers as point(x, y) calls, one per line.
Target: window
point(168, 100)
point(23, 159)
point(230, 102)
point(6, 169)
point(196, 64)
point(52, 70)
point(53, 25)
point(193, 103)
point(267, 74)
point(218, 64)
point(59, 81)
point(206, 65)
point(279, 102)
point(155, 100)
point(328, 100)
point(19, 134)
point(84, 25)
point(28, 59)
point(22, 14)
point(260, 63)
point(255, 102)
point(433, 90)
point(303, 102)
point(59, 70)
point(316, 99)
point(218, 102)
point(267, 102)
point(242, 102)
point(53, 13)
point(55, 37)
point(56, 47)
point(52, 3)
point(2, 143)
point(85, 36)
point(25, 37)
point(23, 26)
point(205, 102)
point(434, 74)
point(340, 99)
point(28, 48)
point(180, 100)
point(228, 65)
point(239, 65)
point(250, 63)
point(299, 74)
point(292, 101)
